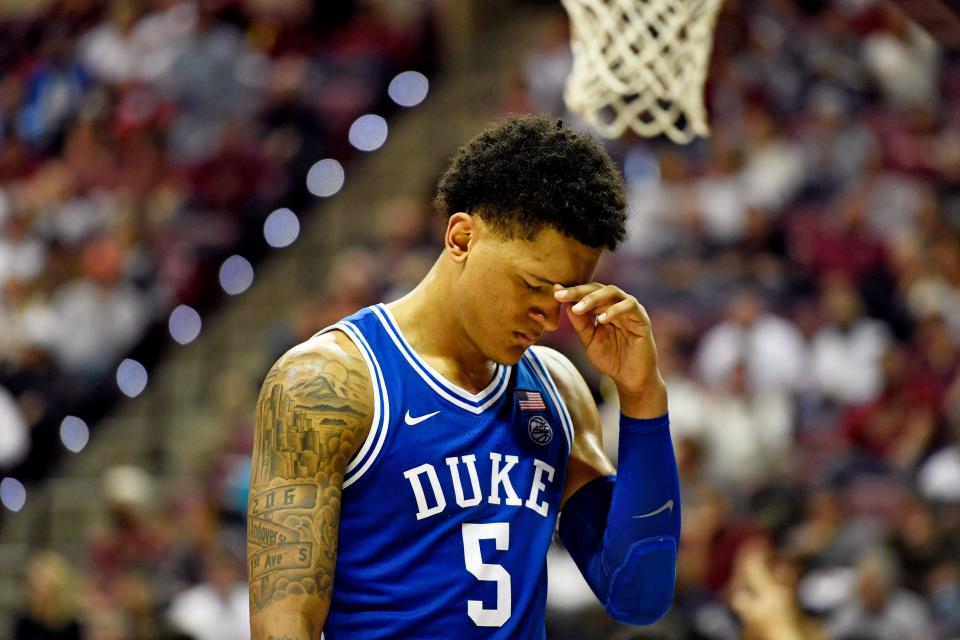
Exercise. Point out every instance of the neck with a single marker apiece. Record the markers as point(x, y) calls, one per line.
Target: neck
point(430, 325)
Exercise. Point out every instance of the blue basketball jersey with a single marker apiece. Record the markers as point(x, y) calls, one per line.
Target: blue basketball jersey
point(450, 504)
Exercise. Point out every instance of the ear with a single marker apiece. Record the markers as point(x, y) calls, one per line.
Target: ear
point(460, 236)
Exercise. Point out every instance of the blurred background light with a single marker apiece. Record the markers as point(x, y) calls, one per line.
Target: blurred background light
point(641, 165)
point(408, 88)
point(13, 494)
point(325, 178)
point(281, 228)
point(184, 324)
point(236, 275)
point(131, 378)
point(74, 433)
point(368, 133)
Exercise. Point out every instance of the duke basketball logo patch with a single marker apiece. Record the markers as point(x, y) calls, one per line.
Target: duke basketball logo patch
point(540, 430)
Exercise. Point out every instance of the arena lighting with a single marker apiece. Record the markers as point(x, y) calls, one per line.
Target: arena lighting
point(368, 133)
point(281, 228)
point(13, 494)
point(408, 88)
point(325, 178)
point(236, 275)
point(184, 324)
point(74, 433)
point(131, 378)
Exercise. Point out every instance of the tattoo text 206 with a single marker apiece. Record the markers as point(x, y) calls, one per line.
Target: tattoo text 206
point(312, 416)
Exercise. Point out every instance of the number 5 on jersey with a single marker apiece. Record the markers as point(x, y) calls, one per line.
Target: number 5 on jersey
point(499, 532)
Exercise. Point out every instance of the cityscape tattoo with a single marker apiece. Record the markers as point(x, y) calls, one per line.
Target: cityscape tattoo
point(312, 415)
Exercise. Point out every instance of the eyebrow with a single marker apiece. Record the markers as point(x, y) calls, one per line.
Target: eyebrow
point(547, 280)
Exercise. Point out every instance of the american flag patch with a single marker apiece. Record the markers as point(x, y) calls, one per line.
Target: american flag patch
point(530, 401)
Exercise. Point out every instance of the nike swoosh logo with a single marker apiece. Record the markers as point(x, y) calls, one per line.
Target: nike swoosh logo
point(410, 420)
point(667, 506)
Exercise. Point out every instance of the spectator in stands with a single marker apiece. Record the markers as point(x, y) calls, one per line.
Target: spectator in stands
point(903, 59)
point(775, 167)
point(52, 593)
point(918, 543)
point(839, 241)
point(769, 346)
point(207, 79)
point(899, 427)
point(938, 479)
point(931, 282)
point(934, 359)
point(848, 349)
point(744, 437)
point(110, 51)
point(943, 590)
point(547, 66)
point(54, 89)
point(22, 255)
point(721, 205)
point(125, 561)
point(194, 528)
point(880, 608)
point(826, 537)
point(662, 212)
point(218, 607)
point(105, 313)
point(160, 37)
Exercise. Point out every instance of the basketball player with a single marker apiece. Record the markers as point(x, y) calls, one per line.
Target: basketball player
point(411, 460)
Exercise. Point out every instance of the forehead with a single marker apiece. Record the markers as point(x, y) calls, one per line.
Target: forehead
point(550, 256)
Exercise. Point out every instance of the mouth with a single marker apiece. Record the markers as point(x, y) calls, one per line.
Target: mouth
point(524, 339)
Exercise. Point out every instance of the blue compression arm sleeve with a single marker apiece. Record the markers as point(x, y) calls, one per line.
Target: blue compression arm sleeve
point(623, 531)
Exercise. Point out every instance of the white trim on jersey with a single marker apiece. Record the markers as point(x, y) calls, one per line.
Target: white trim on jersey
point(381, 406)
point(547, 381)
point(475, 403)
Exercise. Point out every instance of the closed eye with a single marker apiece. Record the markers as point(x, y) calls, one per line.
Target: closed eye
point(530, 287)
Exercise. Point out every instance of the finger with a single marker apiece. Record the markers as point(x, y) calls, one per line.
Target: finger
point(582, 325)
point(742, 602)
point(757, 571)
point(627, 314)
point(626, 307)
point(573, 294)
point(607, 296)
point(762, 575)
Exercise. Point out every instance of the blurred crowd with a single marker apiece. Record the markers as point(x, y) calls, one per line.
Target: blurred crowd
point(142, 142)
point(155, 570)
point(802, 268)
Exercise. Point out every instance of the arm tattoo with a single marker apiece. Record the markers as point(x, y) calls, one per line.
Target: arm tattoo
point(312, 415)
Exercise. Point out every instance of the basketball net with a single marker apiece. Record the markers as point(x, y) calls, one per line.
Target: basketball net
point(641, 64)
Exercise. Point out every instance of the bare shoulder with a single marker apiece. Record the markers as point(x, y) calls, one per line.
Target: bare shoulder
point(325, 366)
point(323, 350)
point(324, 385)
point(587, 459)
point(571, 385)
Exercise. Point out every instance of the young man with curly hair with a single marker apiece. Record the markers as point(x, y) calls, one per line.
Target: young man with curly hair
point(411, 461)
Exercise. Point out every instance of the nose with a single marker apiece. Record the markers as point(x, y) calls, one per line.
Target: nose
point(548, 317)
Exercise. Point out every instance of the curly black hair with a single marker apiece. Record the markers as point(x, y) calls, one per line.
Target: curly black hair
point(528, 172)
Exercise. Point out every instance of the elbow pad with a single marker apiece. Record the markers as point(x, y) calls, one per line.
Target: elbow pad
point(641, 588)
point(623, 531)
